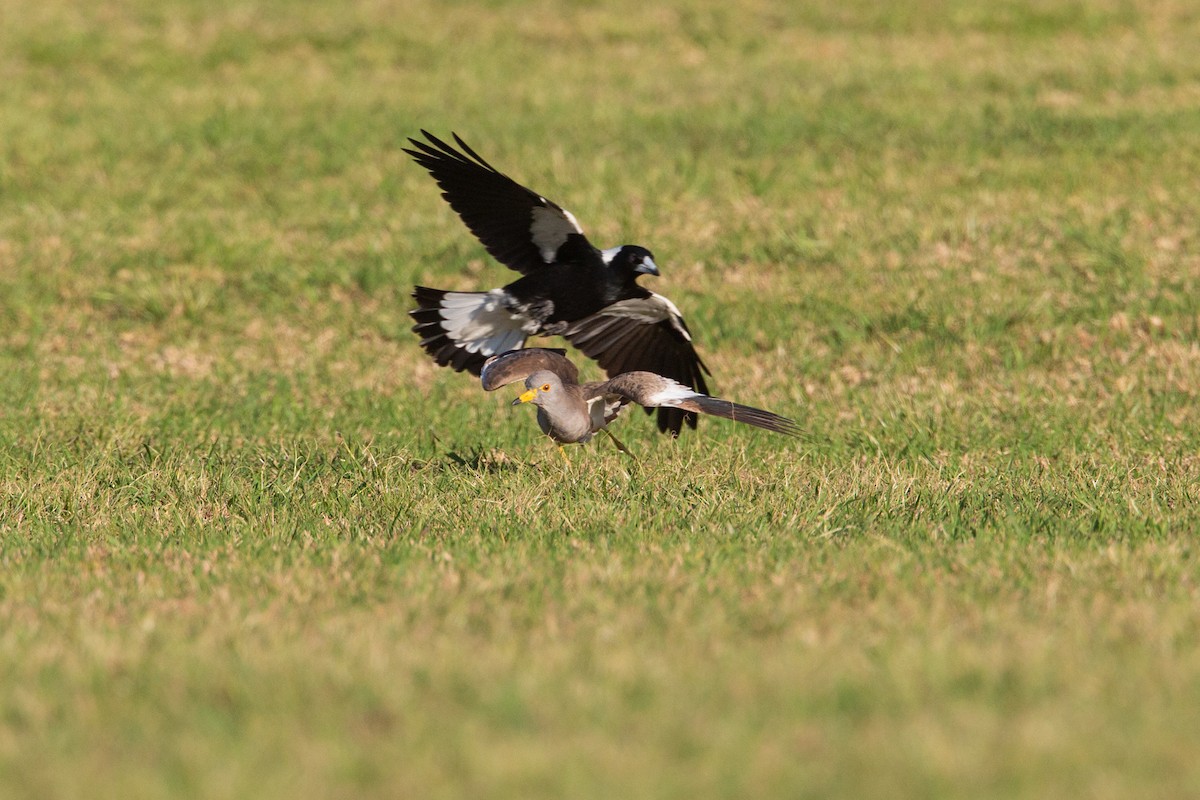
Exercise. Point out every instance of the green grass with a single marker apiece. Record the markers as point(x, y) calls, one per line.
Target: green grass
point(253, 544)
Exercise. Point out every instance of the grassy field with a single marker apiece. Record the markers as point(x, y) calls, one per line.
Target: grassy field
point(253, 544)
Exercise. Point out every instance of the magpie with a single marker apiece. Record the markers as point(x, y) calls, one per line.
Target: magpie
point(568, 287)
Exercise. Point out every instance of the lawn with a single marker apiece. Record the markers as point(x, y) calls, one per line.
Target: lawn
point(253, 543)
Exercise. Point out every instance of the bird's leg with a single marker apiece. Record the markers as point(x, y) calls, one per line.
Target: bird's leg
point(620, 446)
point(562, 451)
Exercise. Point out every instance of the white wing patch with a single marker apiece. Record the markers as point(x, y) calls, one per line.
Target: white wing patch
point(550, 228)
point(649, 310)
point(479, 322)
point(604, 409)
point(671, 395)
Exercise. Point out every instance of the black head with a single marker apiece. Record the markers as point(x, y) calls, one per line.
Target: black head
point(631, 260)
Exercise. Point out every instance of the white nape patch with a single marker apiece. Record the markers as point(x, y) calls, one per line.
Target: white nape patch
point(609, 254)
point(550, 228)
point(478, 322)
point(649, 310)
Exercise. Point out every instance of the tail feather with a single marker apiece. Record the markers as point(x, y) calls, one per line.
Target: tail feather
point(462, 330)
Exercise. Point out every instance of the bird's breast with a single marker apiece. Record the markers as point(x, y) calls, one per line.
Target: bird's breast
point(565, 429)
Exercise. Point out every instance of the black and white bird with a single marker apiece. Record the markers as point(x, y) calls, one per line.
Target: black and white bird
point(570, 412)
point(568, 287)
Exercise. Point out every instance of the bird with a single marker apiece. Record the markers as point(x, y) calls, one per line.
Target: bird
point(568, 287)
point(572, 413)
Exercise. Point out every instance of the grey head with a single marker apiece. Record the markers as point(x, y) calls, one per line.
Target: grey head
point(562, 414)
point(541, 389)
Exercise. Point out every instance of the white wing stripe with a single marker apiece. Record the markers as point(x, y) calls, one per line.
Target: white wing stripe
point(671, 395)
point(479, 322)
point(604, 409)
point(550, 229)
point(648, 310)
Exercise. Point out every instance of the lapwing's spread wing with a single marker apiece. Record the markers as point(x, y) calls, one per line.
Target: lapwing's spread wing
point(520, 228)
point(655, 391)
point(517, 365)
point(644, 334)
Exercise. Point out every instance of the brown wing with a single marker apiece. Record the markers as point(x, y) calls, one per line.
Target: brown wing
point(644, 334)
point(654, 391)
point(517, 365)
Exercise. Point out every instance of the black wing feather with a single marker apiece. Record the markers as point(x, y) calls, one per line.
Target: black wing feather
point(628, 344)
point(497, 209)
point(520, 228)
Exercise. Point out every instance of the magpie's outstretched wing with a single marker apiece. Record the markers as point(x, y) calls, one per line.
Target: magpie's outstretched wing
point(520, 228)
point(644, 334)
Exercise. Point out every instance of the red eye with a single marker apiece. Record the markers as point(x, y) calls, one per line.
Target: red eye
point(545, 387)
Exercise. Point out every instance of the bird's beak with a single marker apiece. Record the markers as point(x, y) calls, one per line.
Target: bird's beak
point(647, 267)
point(525, 398)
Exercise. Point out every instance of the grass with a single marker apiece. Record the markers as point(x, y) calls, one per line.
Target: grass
point(253, 544)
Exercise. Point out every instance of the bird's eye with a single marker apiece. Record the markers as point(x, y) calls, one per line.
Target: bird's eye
point(545, 387)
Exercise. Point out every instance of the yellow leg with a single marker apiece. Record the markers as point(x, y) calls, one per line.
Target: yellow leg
point(562, 451)
point(620, 446)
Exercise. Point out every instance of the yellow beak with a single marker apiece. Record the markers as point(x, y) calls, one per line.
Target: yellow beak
point(526, 398)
